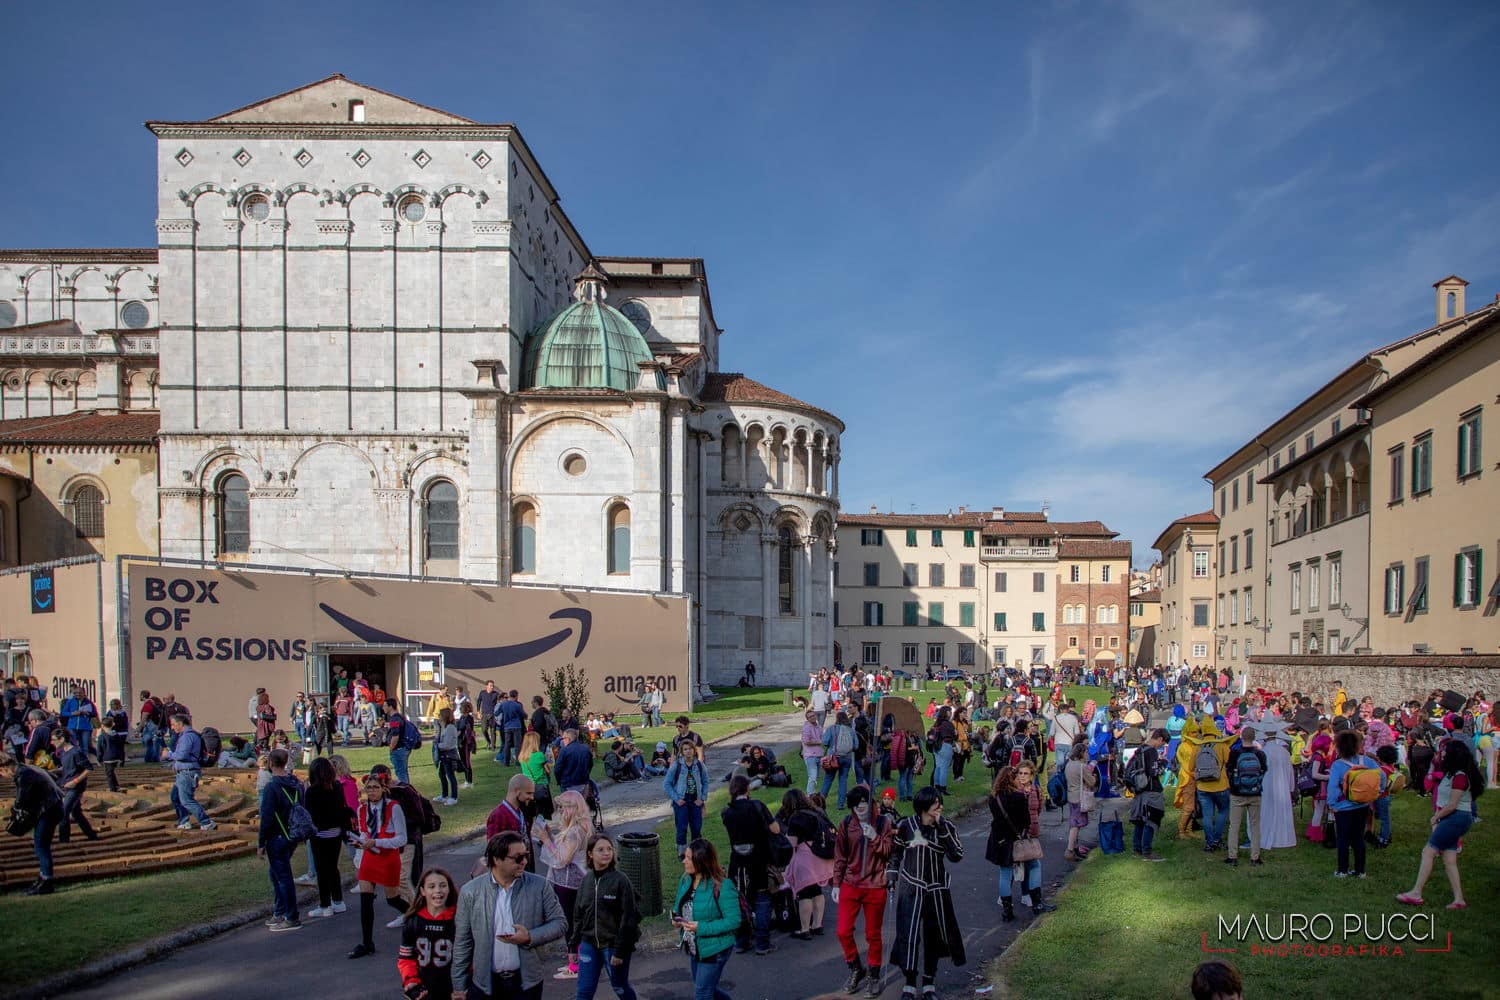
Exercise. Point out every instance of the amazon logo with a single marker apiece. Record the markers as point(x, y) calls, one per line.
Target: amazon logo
point(627, 687)
point(580, 621)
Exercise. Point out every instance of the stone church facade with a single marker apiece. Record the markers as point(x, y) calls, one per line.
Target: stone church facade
point(377, 343)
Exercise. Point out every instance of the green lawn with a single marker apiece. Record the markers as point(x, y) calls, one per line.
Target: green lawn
point(1116, 912)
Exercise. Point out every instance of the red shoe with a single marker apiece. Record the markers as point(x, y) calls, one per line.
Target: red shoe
point(1409, 899)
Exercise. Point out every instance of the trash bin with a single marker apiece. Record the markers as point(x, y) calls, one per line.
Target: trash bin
point(640, 861)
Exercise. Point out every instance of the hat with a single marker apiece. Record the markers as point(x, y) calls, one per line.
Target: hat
point(661, 744)
point(888, 794)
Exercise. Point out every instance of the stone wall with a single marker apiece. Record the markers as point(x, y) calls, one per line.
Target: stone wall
point(1388, 679)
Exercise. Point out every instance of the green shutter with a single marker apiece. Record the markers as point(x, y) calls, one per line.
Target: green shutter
point(909, 613)
point(911, 538)
point(937, 537)
point(999, 621)
point(1478, 577)
point(968, 539)
point(966, 615)
point(935, 613)
point(1039, 621)
point(880, 614)
point(1458, 578)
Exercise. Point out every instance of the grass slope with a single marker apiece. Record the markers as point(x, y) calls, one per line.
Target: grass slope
point(1125, 928)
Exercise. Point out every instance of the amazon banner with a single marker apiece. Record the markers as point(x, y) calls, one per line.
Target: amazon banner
point(212, 637)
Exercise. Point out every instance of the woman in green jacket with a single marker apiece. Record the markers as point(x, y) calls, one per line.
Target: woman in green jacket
point(707, 912)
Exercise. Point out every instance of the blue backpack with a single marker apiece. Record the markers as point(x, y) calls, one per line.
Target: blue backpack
point(411, 736)
point(1057, 789)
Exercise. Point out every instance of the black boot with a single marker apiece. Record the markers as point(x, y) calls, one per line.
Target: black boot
point(872, 984)
point(1037, 905)
point(41, 887)
point(856, 976)
point(1007, 909)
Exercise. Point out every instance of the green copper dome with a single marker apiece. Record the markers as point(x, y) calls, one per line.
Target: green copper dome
point(588, 345)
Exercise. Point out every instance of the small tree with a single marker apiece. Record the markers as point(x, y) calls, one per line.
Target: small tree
point(567, 690)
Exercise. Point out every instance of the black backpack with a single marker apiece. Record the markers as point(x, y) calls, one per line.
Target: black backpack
point(822, 844)
point(1247, 775)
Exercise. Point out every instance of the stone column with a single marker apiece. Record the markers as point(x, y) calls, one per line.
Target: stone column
point(485, 510)
point(744, 474)
point(833, 462)
point(770, 606)
point(805, 572)
point(675, 452)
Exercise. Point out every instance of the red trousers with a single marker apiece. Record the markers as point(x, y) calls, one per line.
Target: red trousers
point(851, 901)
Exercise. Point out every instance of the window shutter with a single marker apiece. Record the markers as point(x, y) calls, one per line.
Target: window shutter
point(1458, 579)
point(1478, 577)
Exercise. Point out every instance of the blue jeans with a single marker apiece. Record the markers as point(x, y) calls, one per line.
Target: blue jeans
point(594, 964)
point(301, 730)
point(812, 773)
point(903, 785)
point(760, 924)
point(1214, 809)
point(41, 840)
point(845, 763)
point(706, 975)
point(448, 775)
point(343, 721)
point(942, 766)
point(151, 737)
point(1141, 839)
point(398, 764)
point(1383, 814)
point(184, 787)
point(1033, 870)
point(688, 816)
point(279, 853)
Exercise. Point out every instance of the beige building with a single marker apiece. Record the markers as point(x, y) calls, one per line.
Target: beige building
point(1435, 547)
point(1145, 628)
point(972, 589)
point(1294, 508)
point(1188, 557)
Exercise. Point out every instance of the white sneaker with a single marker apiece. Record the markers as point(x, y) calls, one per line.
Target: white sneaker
point(338, 907)
point(467, 784)
point(318, 911)
point(394, 924)
point(306, 879)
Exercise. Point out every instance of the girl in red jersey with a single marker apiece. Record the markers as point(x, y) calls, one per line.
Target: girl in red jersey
point(426, 954)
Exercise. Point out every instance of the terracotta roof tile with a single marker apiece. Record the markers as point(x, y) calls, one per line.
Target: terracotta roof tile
point(84, 428)
point(1048, 529)
point(734, 387)
point(968, 519)
point(1148, 596)
point(1206, 519)
point(1092, 548)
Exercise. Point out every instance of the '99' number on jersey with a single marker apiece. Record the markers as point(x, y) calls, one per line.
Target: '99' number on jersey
point(434, 954)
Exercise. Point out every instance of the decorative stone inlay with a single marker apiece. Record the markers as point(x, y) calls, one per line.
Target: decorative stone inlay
point(421, 159)
point(303, 157)
point(392, 496)
point(242, 157)
point(481, 159)
point(361, 158)
point(183, 156)
point(274, 493)
point(179, 493)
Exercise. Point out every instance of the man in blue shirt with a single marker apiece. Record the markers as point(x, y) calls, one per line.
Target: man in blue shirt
point(186, 758)
point(78, 714)
point(512, 725)
point(574, 761)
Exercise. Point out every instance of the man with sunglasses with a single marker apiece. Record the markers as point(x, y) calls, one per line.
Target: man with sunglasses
point(504, 916)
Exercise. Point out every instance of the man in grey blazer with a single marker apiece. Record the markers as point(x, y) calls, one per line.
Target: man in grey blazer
point(504, 917)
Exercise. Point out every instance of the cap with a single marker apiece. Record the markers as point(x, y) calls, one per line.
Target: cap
point(661, 744)
point(888, 793)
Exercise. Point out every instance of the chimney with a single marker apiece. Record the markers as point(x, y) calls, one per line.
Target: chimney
point(874, 509)
point(962, 510)
point(1450, 297)
point(997, 513)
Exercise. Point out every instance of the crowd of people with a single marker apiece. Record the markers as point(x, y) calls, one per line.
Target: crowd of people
point(863, 834)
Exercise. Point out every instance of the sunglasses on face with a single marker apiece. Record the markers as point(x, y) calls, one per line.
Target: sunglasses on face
point(518, 858)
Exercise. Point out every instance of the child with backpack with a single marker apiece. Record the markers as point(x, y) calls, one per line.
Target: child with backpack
point(1246, 769)
point(1388, 757)
point(1355, 782)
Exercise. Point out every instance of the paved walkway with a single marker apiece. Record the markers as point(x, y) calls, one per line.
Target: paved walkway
point(311, 962)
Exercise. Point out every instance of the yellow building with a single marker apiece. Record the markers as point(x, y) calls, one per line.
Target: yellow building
point(1186, 634)
point(76, 485)
point(1435, 533)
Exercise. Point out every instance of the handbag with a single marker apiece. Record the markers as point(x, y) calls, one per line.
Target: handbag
point(829, 762)
point(22, 821)
point(1027, 849)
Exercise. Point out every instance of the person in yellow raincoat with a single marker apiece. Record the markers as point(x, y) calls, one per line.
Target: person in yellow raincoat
point(1212, 794)
point(1186, 799)
point(1339, 697)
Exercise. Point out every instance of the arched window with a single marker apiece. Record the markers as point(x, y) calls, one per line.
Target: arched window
point(619, 539)
point(523, 539)
point(232, 503)
point(1452, 304)
point(785, 591)
point(88, 511)
point(440, 521)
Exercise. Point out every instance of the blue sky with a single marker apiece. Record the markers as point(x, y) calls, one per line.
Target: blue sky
point(1020, 249)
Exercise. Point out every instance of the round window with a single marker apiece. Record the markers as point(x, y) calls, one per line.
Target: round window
point(575, 464)
point(7, 314)
point(134, 315)
point(257, 208)
point(412, 209)
point(637, 313)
